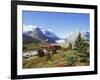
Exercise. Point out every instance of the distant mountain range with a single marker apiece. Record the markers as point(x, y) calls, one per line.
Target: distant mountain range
point(40, 35)
point(37, 35)
point(73, 36)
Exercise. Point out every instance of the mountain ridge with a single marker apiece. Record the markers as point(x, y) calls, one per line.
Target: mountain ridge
point(39, 34)
point(73, 36)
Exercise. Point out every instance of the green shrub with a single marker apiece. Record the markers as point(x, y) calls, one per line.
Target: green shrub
point(72, 59)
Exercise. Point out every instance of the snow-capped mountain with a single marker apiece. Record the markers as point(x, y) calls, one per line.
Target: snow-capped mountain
point(86, 35)
point(36, 33)
point(50, 35)
point(42, 34)
point(73, 36)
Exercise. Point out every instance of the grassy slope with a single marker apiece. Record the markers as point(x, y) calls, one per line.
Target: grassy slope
point(62, 59)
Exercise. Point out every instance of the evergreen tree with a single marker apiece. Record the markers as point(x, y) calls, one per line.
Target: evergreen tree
point(80, 44)
point(83, 49)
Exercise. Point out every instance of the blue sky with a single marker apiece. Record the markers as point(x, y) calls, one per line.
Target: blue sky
point(60, 23)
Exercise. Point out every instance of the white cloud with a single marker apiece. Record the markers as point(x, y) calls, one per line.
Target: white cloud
point(28, 27)
point(31, 27)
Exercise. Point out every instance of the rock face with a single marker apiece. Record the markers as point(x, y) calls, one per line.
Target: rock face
point(37, 33)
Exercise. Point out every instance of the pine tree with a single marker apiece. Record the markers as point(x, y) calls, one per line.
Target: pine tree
point(83, 49)
point(80, 44)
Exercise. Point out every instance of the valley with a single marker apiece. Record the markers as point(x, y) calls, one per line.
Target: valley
point(45, 49)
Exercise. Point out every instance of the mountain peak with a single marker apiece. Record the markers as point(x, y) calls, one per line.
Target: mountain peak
point(73, 36)
point(42, 34)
